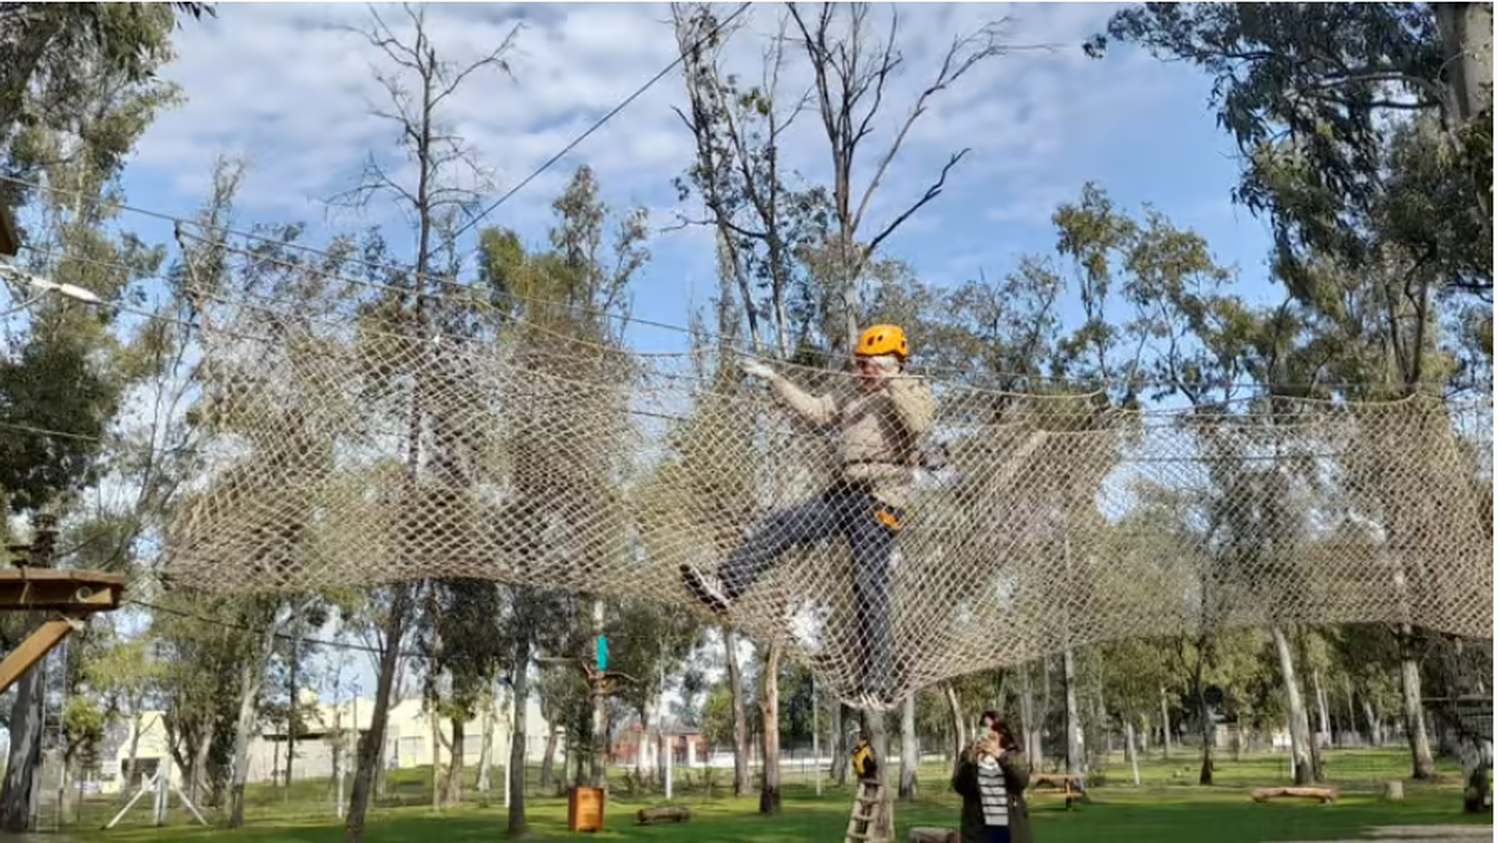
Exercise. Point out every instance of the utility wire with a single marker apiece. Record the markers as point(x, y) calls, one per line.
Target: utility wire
point(283, 636)
point(437, 295)
point(286, 636)
point(598, 124)
point(709, 36)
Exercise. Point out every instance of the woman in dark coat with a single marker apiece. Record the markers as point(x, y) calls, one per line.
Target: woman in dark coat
point(992, 777)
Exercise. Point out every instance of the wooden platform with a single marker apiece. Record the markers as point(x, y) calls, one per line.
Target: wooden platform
point(52, 590)
point(69, 597)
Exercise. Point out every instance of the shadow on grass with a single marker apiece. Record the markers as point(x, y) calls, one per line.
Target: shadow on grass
point(1169, 808)
point(1161, 815)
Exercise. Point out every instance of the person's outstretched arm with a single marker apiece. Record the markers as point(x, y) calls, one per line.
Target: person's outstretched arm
point(820, 410)
point(911, 399)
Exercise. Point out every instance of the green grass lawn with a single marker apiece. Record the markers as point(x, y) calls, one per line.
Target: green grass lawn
point(1167, 808)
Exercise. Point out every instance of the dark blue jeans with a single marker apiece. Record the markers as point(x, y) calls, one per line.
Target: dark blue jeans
point(857, 516)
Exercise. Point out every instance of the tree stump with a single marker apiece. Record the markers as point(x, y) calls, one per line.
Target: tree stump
point(663, 814)
point(932, 835)
point(1395, 791)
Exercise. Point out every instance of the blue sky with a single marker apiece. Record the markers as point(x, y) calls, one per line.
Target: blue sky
point(285, 87)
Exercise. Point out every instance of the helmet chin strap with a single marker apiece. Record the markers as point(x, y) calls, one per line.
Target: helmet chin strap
point(887, 363)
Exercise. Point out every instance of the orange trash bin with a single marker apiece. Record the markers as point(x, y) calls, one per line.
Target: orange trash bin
point(586, 809)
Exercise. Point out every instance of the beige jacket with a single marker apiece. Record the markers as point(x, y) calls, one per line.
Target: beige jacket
point(879, 430)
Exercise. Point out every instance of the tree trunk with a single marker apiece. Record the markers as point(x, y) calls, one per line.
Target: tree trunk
point(515, 770)
point(644, 744)
point(65, 790)
point(250, 684)
point(133, 778)
point(291, 713)
point(372, 743)
point(911, 749)
point(1314, 741)
point(838, 715)
point(1031, 727)
point(1325, 722)
point(1135, 766)
point(1468, 36)
point(549, 753)
point(770, 718)
point(956, 711)
point(741, 728)
point(433, 724)
point(455, 788)
point(25, 752)
point(1372, 722)
point(1206, 733)
point(197, 779)
point(1076, 765)
point(1467, 31)
point(1296, 710)
point(487, 742)
point(884, 827)
point(1166, 727)
point(1416, 723)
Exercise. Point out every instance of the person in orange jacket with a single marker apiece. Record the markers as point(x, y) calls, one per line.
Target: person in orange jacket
point(880, 425)
point(862, 757)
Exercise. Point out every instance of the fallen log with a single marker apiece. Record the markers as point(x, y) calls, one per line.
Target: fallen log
point(1322, 794)
point(662, 814)
point(932, 835)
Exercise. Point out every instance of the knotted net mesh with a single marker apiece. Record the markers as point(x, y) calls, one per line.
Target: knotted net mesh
point(341, 453)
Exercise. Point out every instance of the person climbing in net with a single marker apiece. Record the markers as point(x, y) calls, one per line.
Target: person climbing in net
point(881, 424)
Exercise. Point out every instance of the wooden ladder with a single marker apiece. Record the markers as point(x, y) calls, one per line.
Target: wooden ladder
point(863, 817)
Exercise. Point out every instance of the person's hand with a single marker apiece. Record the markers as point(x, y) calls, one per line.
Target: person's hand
point(987, 745)
point(757, 369)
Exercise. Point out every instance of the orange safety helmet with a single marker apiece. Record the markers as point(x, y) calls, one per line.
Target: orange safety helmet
point(878, 340)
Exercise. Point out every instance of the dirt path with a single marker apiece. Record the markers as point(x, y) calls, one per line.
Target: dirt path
point(1420, 834)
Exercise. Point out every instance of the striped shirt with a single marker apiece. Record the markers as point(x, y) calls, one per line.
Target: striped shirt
point(992, 796)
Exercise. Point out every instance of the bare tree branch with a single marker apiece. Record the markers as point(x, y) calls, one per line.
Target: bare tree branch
point(932, 193)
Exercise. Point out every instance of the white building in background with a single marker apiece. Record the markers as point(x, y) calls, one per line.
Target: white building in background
point(409, 733)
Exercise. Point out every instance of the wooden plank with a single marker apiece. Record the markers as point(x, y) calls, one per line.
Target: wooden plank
point(36, 647)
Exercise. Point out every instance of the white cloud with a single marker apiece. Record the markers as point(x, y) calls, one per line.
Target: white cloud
point(288, 87)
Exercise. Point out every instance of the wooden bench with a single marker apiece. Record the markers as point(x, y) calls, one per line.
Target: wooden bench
point(1061, 784)
point(1324, 795)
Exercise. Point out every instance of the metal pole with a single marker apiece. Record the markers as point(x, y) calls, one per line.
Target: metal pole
point(817, 752)
point(671, 756)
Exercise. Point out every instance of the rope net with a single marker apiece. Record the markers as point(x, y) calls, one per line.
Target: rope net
point(338, 455)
